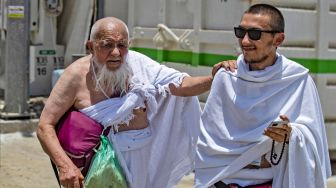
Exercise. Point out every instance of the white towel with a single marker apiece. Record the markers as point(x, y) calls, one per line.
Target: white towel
point(240, 106)
point(160, 155)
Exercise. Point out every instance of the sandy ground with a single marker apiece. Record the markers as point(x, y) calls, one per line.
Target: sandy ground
point(23, 164)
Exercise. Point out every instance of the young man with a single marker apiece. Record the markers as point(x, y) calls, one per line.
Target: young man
point(237, 147)
point(156, 147)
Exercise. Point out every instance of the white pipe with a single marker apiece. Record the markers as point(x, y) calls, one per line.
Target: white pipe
point(169, 31)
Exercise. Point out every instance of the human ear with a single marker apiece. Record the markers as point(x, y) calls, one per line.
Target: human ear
point(279, 38)
point(129, 42)
point(89, 45)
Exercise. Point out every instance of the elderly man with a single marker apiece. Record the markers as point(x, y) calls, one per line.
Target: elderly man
point(237, 147)
point(156, 146)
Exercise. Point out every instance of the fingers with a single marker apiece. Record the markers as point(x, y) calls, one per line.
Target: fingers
point(229, 65)
point(215, 68)
point(71, 178)
point(278, 133)
point(232, 65)
point(287, 127)
point(76, 183)
point(279, 137)
point(284, 118)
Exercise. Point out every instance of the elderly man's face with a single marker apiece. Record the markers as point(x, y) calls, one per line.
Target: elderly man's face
point(111, 47)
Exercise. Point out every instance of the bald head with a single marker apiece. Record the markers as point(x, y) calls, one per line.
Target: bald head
point(108, 24)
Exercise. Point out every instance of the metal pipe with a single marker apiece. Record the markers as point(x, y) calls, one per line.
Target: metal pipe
point(163, 27)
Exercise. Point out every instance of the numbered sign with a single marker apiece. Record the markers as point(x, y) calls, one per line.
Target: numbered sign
point(43, 61)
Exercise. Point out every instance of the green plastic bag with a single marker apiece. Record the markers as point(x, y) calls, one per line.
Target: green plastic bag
point(105, 170)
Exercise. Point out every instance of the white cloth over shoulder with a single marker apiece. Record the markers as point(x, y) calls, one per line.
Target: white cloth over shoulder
point(240, 106)
point(161, 154)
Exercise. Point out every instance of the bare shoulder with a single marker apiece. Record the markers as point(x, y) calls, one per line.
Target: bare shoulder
point(64, 93)
point(73, 75)
point(78, 68)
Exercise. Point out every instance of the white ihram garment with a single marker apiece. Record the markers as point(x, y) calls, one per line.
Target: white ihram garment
point(161, 154)
point(240, 106)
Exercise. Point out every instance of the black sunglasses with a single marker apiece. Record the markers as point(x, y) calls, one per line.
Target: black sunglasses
point(253, 34)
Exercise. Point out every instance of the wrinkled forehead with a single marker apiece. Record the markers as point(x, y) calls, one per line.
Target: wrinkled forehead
point(113, 31)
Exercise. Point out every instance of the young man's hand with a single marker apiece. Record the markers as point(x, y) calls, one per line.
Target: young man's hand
point(278, 133)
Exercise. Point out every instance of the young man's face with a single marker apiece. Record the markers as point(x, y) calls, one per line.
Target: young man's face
point(258, 52)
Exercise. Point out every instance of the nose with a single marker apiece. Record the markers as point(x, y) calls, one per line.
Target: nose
point(115, 51)
point(245, 39)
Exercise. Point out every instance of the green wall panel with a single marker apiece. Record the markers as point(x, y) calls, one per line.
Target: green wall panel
point(204, 59)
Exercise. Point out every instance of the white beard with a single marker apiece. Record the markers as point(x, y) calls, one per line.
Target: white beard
point(116, 81)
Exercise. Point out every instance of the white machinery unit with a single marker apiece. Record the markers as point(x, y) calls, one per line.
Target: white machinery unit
point(45, 55)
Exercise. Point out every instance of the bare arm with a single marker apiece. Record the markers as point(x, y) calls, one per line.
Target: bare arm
point(192, 86)
point(61, 99)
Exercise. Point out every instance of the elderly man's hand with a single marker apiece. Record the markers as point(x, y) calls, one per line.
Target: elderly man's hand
point(230, 65)
point(279, 133)
point(71, 177)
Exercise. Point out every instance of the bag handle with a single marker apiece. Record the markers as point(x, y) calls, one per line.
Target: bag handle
point(56, 172)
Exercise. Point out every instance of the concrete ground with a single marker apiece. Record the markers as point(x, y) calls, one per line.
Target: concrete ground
point(23, 164)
